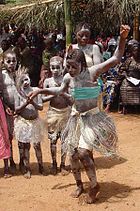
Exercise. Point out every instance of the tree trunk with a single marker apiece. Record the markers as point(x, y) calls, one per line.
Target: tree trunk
point(68, 23)
point(136, 27)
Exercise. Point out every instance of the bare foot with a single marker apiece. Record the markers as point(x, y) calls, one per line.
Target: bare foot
point(77, 192)
point(41, 171)
point(63, 171)
point(7, 174)
point(27, 175)
point(13, 168)
point(22, 168)
point(54, 169)
point(92, 194)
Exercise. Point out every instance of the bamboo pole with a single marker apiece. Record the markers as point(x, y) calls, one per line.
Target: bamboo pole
point(68, 23)
point(136, 26)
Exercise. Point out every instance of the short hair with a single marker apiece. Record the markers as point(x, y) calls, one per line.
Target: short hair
point(56, 58)
point(78, 56)
point(9, 51)
point(82, 25)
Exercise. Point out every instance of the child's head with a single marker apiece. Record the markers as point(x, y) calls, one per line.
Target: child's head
point(135, 49)
point(112, 44)
point(83, 34)
point(22, 79)
point(5, 45)
point(9, 60)
point(21, 42)
point(56, 65)
point(75, 62)
point(48, 43)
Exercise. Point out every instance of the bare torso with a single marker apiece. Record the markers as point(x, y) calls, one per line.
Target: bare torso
point(29, 112)
point(58, 101)
point(9, 88)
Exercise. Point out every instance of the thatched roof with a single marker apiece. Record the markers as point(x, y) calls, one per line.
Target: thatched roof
point(39, 13)
point(103, 15)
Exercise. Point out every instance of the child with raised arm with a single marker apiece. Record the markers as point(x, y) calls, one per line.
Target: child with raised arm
point(58, 112)
point(28, 126)
point(87, 127)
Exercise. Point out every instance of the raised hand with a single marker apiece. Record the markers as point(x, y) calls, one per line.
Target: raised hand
point(33, 94)
point(124, 31)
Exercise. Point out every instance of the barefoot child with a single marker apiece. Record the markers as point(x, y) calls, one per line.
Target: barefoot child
point(4, 138)
point(58, 112)
point(87, 127)
point(28, 127)
point(9, 89)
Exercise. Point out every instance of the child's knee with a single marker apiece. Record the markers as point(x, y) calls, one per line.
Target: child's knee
point(37, 146)
point(27, 146)
point(83, 153)
point(53, 142)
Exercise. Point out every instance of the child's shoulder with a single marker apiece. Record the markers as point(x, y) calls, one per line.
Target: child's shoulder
point(4, 71)
point(5, 74)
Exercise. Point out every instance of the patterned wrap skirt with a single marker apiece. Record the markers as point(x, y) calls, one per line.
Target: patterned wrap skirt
point(4, 136)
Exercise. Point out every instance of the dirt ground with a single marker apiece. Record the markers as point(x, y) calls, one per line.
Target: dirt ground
point(119, 179)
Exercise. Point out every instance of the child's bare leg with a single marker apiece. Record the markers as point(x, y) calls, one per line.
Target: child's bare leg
point(53, 155)
point(38, 152)
point(63, 170)
point(75, 166)
point(21, 147)
point(6, 169)
point(88, 163)
point(27, 175)
point(12, 163)
point(10, 121)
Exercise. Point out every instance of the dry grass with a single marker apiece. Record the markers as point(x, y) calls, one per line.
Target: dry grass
point(103, 15)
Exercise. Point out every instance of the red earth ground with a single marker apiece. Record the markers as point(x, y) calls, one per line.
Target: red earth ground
point(119, 179)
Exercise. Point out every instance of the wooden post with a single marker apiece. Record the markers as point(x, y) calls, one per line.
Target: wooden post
point(68, 23)
point(136, 26)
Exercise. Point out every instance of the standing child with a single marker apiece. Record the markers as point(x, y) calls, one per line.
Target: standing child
point(28, 126)
point(58, 112)
point(87, 128)
point(4, 138)
point(9, 89)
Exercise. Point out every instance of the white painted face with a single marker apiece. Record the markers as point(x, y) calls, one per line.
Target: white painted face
point(25, 81)
point(10, 62)
point(56, 68)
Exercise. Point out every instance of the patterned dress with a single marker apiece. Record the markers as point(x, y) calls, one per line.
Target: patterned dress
point(4, 138)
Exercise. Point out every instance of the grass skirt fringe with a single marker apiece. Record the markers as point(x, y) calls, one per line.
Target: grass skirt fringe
point(29, 131)
point(101, 126)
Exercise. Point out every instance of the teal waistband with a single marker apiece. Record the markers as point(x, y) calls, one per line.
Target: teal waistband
point(82, 93)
